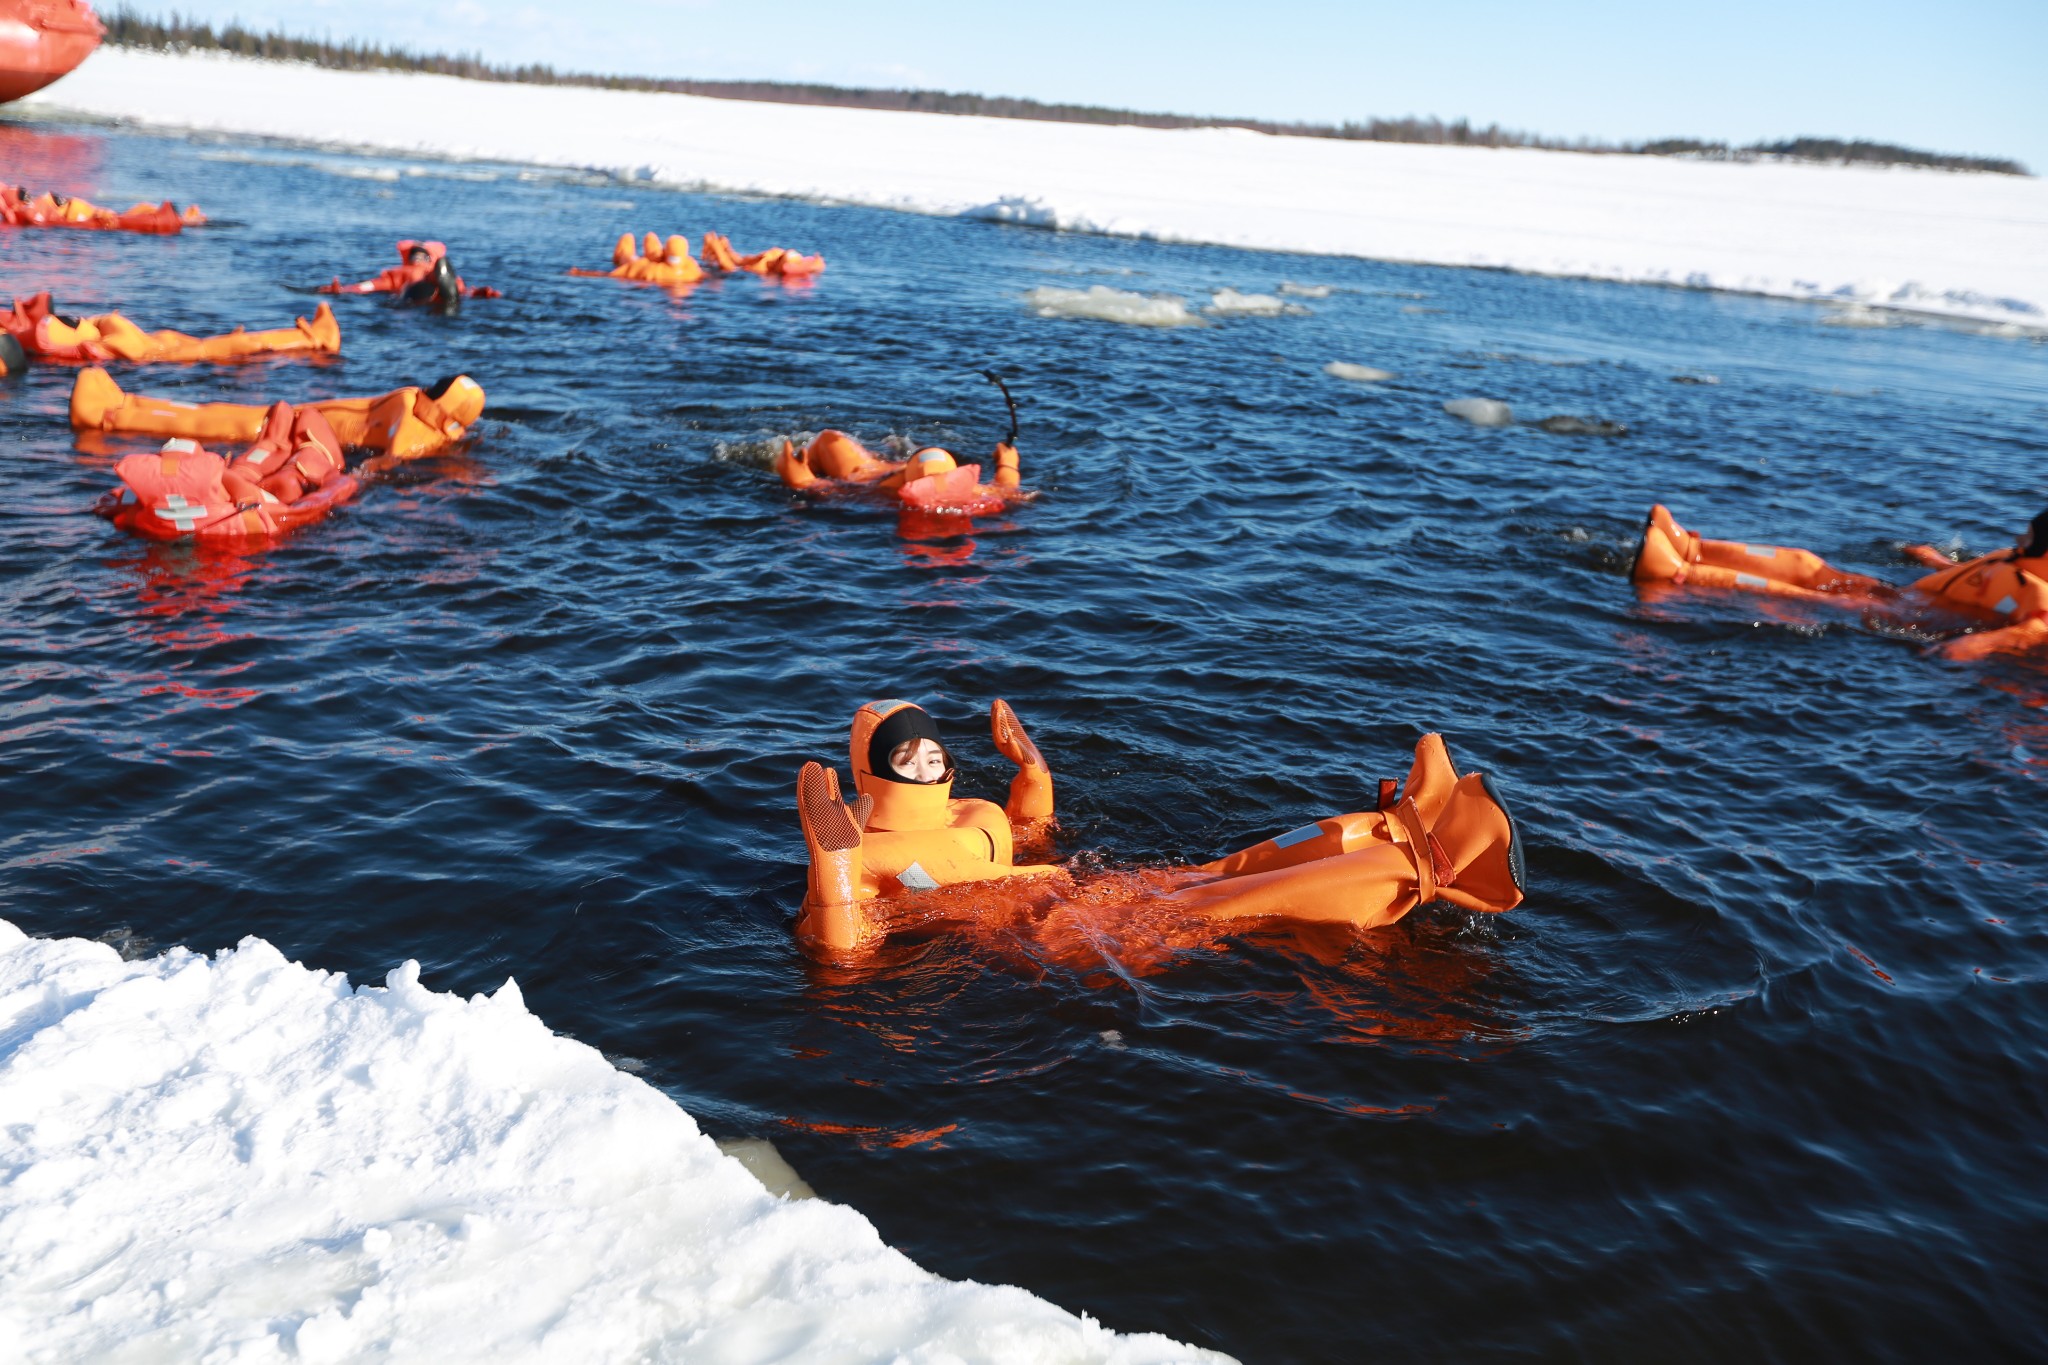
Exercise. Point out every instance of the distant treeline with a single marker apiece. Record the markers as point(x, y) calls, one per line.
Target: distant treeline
point(1832, 150)
point(126, 28)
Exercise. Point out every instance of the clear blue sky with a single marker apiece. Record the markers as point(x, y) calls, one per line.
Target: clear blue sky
point(1969, 76)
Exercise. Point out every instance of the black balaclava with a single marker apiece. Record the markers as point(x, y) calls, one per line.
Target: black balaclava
point(2039, 545)
point(905, 723)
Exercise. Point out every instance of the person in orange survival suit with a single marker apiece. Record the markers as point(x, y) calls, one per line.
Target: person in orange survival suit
point(110, 336)
point(777, 262)
point(2007, 589)
point(653, 261)
point(424, 275)
point(49, 209)
point(1442, 837)
point(292, 475)
point(930, 479)
point(404, 424)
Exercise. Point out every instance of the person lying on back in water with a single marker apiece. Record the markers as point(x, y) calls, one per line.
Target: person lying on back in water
point(2008, 589)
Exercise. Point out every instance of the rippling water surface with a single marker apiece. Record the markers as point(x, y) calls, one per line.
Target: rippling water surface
point(1755, 1073)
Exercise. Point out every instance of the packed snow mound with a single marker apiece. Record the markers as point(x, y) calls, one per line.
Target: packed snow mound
point(1357, 374)
point(1955, 244)
point(244, 1159)
point(1111, 305)
point(1482, 412)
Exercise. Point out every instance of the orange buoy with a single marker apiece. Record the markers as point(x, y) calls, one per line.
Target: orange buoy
point(1438, 836)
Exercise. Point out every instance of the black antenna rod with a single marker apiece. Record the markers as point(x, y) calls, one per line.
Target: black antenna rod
point(997, 380)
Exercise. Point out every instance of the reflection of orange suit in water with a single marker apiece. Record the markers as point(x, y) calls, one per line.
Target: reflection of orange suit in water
point(1444, 838)
point(2008, 589)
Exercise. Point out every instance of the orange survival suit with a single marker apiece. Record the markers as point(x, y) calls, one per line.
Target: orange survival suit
point(110, 336)
point(46, 210)
point(777, 262)
point(404, 424)
point(931, 480)
point(290, 476)
point(653, 261)
point(2007, 589)
point(1442, 837)
point(410, 278)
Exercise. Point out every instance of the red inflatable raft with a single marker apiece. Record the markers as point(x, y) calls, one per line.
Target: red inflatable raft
point(42, 40)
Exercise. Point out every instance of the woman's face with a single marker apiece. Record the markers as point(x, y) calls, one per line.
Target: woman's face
point(918, 760)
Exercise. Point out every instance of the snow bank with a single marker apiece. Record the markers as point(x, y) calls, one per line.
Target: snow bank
point(1963, 245)
point(242, 1159)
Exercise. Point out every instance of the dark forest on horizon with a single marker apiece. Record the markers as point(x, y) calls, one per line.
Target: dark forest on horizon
point(126, 28)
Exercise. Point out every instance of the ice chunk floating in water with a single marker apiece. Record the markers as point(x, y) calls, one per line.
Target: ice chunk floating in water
point(1111, 305)
point(1228, 303)
point(1482, 412)
point(1358, 374)
point(243, 1158)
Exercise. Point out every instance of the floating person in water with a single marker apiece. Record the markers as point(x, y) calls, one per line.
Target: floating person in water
point(1440, 837)
point(776, 263)
point(44, 334)
point(931, 480)
point(423, 276)
point(2006, 591)
point(657, 260)
point(290, 476)
point(52, 210)
point(405, 424)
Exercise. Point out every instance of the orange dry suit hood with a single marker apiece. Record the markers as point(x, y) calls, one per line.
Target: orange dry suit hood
point(900, 804)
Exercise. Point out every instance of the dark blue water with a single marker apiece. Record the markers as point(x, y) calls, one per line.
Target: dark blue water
point(1755, 1073)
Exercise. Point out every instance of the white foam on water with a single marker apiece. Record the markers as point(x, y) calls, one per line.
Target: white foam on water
point(242, 1159)
point(1104, 304)
point(1961, 245)
point(1482, 412)
point(1358, 374)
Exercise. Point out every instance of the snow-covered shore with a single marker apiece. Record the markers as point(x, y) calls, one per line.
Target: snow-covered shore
point(1963, 245)
point(243, 1159)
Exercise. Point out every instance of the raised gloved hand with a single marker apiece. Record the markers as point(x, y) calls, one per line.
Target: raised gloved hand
point(1031, 788)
